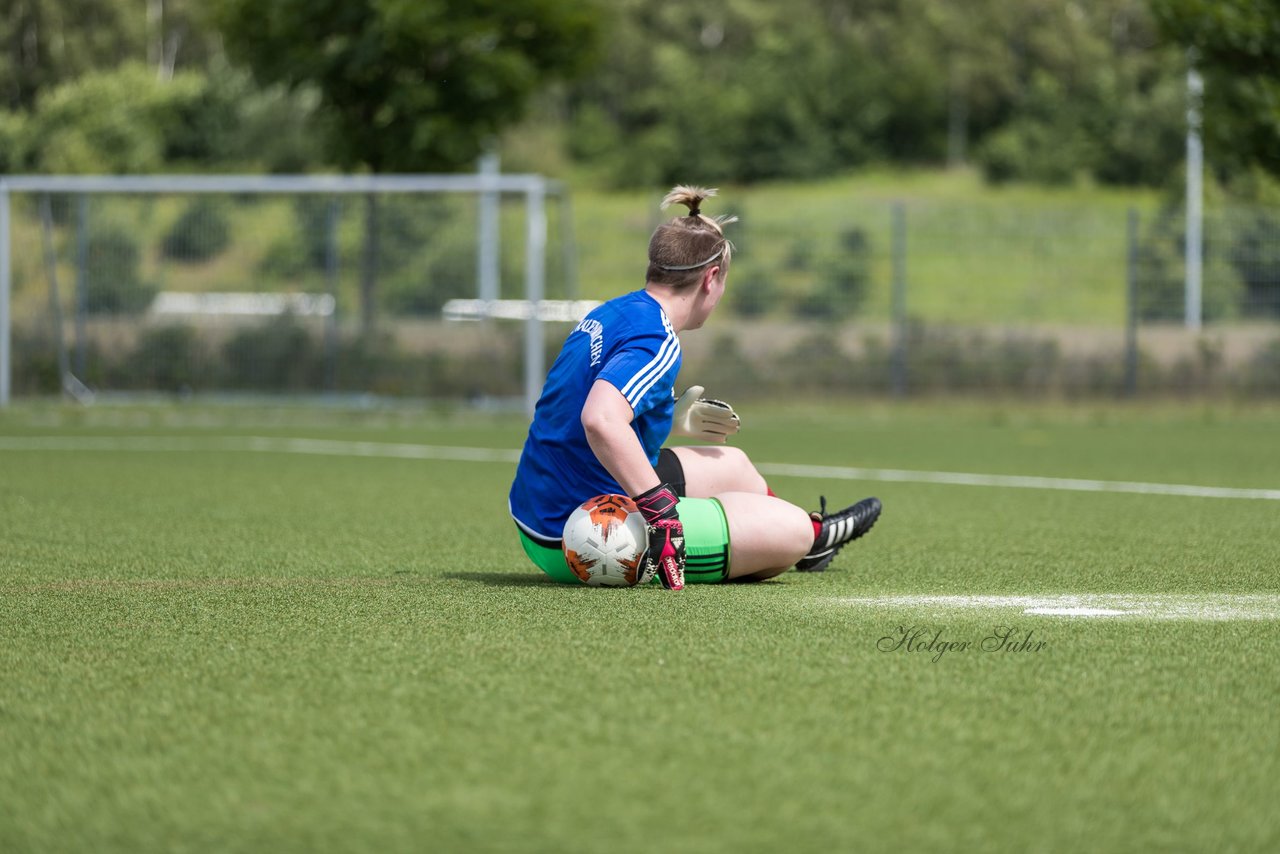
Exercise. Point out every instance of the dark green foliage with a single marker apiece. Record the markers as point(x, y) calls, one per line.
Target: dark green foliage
point(723, 90)
point(406, 85)
point(1236, 45)
point(753, 291)
point(1263, 376)
point(1039, 91)
point(114, 278)
point(843, 277)
point(119, 121)
point(35, 361)
point(90, 35)
point(306, 249)
point(46, 43)
point(1094, 107)
point(167, 358)
point(201, 232)
point(279, 355)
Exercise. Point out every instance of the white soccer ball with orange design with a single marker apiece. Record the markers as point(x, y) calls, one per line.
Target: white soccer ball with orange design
point(605, 541)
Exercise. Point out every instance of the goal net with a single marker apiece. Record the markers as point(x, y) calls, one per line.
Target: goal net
point(307, 285)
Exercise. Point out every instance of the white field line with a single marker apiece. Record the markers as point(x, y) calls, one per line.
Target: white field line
point(1210, 607)
point(328, 447)
point(1015, 481)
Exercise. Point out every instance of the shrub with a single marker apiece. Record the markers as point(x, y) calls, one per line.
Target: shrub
point(279, 355)
point(200, 233)
point(843, 278)
point(1263, 374)
point(114, 121)
point(167, 358)
point(114, 276)
point(754, 292)
point(35, 361)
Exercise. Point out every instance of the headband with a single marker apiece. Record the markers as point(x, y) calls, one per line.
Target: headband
point(719, 252)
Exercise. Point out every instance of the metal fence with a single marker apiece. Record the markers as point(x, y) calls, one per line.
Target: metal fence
point(989, 297)
point(338, 286)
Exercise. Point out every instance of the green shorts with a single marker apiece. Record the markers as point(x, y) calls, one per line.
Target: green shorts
point(706, 545)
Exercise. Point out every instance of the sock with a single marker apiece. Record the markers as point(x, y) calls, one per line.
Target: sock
point(769, 491)
point(817, 530)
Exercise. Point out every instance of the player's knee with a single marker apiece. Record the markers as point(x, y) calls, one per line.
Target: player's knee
point(801, 538)
point(751, 480)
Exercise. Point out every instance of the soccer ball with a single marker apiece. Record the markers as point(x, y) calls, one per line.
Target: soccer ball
point(605, 540)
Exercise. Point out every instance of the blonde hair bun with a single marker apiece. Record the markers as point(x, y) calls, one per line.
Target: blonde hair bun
point(680, 248)
point(689, 196)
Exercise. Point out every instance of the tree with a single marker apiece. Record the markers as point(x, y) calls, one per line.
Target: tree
point(411, 85)
point(741, 90)
point(47, 43)
point(1236, 45)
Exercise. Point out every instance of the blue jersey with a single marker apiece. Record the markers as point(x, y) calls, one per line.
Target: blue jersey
point(628, 342)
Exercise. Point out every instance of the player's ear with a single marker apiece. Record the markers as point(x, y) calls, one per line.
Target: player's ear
point(709, 277)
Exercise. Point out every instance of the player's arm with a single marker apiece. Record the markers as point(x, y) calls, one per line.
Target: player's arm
point(606, 418)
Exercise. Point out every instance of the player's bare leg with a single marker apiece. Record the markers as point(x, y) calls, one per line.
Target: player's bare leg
point(765, 531)
point(766, 535)
point(712, 470)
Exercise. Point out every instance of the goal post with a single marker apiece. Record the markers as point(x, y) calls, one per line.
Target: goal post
point(6, 283)
point(484, 186)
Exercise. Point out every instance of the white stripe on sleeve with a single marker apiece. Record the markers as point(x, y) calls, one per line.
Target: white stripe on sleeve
point(638, 386)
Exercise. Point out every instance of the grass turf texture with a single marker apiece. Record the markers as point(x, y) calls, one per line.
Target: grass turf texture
point(264, 651)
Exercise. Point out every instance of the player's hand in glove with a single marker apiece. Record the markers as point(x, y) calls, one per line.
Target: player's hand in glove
point(703, 418)
point(665, 556)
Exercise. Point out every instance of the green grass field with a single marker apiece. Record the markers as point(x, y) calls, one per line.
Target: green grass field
point(216, 642)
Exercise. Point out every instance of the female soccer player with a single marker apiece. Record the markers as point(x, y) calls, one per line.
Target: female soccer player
point(608, 405)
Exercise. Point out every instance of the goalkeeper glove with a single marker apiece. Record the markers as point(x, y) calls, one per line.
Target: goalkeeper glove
point(665, 555)
point(702, 418)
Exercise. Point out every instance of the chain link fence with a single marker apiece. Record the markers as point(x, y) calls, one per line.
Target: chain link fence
point(978, 298)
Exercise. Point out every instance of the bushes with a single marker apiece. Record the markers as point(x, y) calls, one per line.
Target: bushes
point(844, 279)
point(289, 356)
point(833, 362)
point(1263, 374)
point(284, 355)
point(166, 358)
point(109, 122)
point(201, 232)
point(279, 355)
point(127, 121)
point(114, 276)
